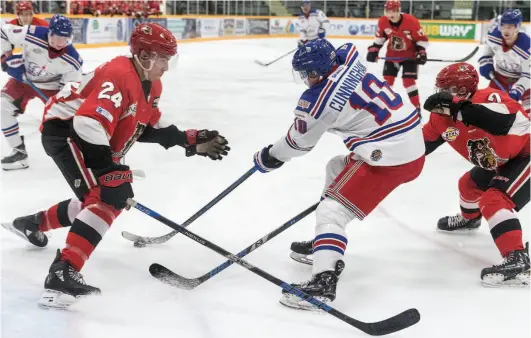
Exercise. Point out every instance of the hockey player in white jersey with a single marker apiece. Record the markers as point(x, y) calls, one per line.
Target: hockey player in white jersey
point(382, 133)
point(313, 23)
point(506, 58)
point(48, 60)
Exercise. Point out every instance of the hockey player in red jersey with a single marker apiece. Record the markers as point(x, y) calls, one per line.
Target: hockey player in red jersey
point(114, 106)
point(490, 130)
point(24, 11)
point(406, 41)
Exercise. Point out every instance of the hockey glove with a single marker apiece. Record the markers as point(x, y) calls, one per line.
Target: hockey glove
point(4, 64)
point(516, 92)
point(15, 66)
point(372, 55)
point(206, 143)
point(115, 185)
point(444, 104)
point(486, 67)
point(321, 33)
point(301, 43)
point(422, 57)
point(265, 162)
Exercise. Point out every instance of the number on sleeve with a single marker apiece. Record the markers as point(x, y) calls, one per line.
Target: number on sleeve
point(115, 98)
point(382, 99)
point(494, 97)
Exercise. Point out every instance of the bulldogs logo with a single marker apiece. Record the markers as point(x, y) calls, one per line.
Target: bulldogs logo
point(482, 155)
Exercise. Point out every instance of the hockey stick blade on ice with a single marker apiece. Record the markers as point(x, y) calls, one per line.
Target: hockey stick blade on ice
point(141, 241)
point(164, 275)
point(265, 64)
point(390, 325)
point(466, 58)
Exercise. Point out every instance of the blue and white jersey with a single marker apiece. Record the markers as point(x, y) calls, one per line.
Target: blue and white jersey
point(512, 63)
point(309, 26)
point(43, 71)
point(372, 120)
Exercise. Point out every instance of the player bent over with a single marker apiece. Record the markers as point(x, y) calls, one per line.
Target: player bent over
point(506, 58)
point(48, 60)
point(116, 106)
point(382, 133)
point(490, 130)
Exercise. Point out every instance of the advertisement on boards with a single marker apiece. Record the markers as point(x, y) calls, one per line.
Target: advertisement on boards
point(104, 30)
point(257, 26)
point(209, 27)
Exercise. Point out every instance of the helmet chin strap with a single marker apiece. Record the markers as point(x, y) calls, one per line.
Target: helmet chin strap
point(145, 70)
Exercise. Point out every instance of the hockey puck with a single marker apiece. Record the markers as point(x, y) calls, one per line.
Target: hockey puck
point(139, 244)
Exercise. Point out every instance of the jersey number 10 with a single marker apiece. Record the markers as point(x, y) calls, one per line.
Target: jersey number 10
point(381, 97)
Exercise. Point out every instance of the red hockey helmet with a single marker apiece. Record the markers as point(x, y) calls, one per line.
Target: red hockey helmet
point(392, 5)
point(153, 38)
point(23, 7)
point(460, 79)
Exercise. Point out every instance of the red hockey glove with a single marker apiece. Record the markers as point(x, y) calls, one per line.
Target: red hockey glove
point(115, 185)
point(422, 57)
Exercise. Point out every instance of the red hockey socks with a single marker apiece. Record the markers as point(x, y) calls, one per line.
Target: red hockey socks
point(469, 196)
point(60, 215)
point(412, 91)
point(390, 79)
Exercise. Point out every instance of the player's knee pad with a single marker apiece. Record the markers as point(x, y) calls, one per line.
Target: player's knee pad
point(332, 216)
point(390, 79)
point(334, 167)
point(494, 200)
point(7, 111)
point(468, 189)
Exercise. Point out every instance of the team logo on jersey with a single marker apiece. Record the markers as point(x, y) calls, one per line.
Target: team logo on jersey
point(37, 50)
point(304, 104)
point(388, 31)
point(450, 134)
point(36, 70)
point(376, 155)
point(482, 155)
point(397, 43)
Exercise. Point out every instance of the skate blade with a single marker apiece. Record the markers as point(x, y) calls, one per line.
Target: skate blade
point(304, 259)
point(295, 302)
point(15, 166)
point(56, 300)
point(522, 280)
point(9, 227)
point(463, 231)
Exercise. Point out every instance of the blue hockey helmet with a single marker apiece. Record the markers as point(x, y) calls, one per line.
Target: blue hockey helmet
point(511, 17)
point(315, 58)
point(60, 32)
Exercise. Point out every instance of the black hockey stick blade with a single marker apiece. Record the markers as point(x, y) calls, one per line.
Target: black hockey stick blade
point(265, 64)
point(169, 277)
point(396, 323)
point(466, 58)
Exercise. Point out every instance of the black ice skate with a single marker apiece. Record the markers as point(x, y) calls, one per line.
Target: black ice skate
point(514, 271)
point(458, 223)
point(301, 252)
point(27, 227)
point(64, 285)
point(322, 287)
point(18, 158)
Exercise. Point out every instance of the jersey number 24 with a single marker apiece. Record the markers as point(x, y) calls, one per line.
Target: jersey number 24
point(379, 100)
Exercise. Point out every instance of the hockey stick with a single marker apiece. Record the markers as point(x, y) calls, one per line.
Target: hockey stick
point(499, 85)
point(275, 60)
point(167, 276)
point(140, 241)
point(390, 325)
point(466, 58)
point(37, 90)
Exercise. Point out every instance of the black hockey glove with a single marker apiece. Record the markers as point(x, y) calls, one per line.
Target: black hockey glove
point(372, 55)
point(265, 162)
point(3, 62)
point(444, 104)
point(115, 185)
point(422, 57)
point(206, 143)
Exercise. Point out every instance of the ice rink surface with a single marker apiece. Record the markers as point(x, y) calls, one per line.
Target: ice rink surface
point(395, 259)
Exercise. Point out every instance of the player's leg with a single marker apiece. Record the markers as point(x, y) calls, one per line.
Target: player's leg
point(62, 214)
point(355, 192)
point(14, 98)
point(302, 251)
point(471, 187)
point(508, 192)
point(390, 72)
point(409, 79)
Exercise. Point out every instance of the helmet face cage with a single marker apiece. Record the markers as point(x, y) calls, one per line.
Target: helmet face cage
point(153, 45)
point(460, 79)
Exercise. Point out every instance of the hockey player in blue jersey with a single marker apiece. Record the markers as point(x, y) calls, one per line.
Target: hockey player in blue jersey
point(49, 60)
point(506, 58)
point(381, 132)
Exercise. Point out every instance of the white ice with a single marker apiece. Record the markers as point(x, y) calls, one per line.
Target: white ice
point(395, 260)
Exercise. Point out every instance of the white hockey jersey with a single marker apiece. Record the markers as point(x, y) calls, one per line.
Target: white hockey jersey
point(512, 63)
point(373, 121)
point(45, 72)
point(311, 26)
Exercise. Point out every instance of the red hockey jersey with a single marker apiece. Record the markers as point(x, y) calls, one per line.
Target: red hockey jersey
point(404, 36)
point(35, 21)
point(498, 130)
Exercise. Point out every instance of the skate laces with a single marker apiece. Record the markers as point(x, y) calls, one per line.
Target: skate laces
point(76, 275)
point(457, 220)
